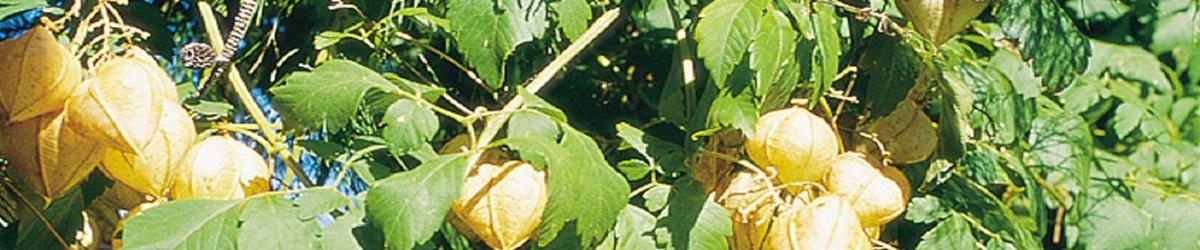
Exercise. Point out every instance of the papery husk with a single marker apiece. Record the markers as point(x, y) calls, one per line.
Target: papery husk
point(794, 142)
point(153, 172)
point(502, 205)
point(121, 105)
point(877, 193)
point(37, 75)
point(751, 207)
point(47, 156)
point(826, 223)
point(221, 168)
point(907, 134)
point(939, 20)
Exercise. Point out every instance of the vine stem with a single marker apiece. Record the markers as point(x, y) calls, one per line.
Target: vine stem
point(36, 213)
point(492, 127)
point(243, 93)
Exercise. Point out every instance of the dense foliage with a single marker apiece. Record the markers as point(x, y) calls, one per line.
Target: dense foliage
point(384, 123)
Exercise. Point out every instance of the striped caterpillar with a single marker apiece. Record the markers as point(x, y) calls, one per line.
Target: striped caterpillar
point(201, 55)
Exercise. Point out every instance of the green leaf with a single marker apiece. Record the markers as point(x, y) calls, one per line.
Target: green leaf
point(1060, 144)
point(952, 233)
point(999, 113)
point(954, 123)
point(1130, 62)
point(982, 165)
point(408, 126)
point(771, 58)
point(660, 153)
point(425, 91)
point(671, 103)
point(210, 108)
point(421, 13)
point(1048, 38)
point(1174, 223)
point(724, 33)
point(1077, 98)
point(63, 213)
point(584, 190)
point(537, 150)
point(889, 68)
point(634, 169)
point(10, 7)
point(734, 105)
point(692, 221)
point(327, 97)
point(532, 123)
point(633, 231)
point(272, 222)
point(926, 209)
point(1114, 223)
point(532, 101)
point(1019, 73)
point(185, 224)
point(329, 38)
point(487, 31)
point(734, 110)
point(656, 197)
point(316, 201)
point(828, 52)
point(410, 206)
point(341, 233)
point(1126, 118)
point(573, 16)
point(1183, 45)
point(651, 15)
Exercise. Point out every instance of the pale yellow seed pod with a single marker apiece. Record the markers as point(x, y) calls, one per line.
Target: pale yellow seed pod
point(153, 172)
point(502, 205)
point(795, 143)
point(751, 208)
point(939, 20)
point(877, 194)
point(221, 167)
point(120, 106)
point(907, 134)
point(47, 156)
point(150, 66)
point(826, 223)
point(37, 75)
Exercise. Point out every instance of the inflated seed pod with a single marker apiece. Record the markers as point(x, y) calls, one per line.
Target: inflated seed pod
point(751, 208)
point(49, 157)
point(37, 75)
point(877, 194)
point(907, 134)
point(502, 205)
point(153, 172)
point(121, 105)
point(220, 168)
point(794, 142)
point(939, 20)
point(826, 223)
